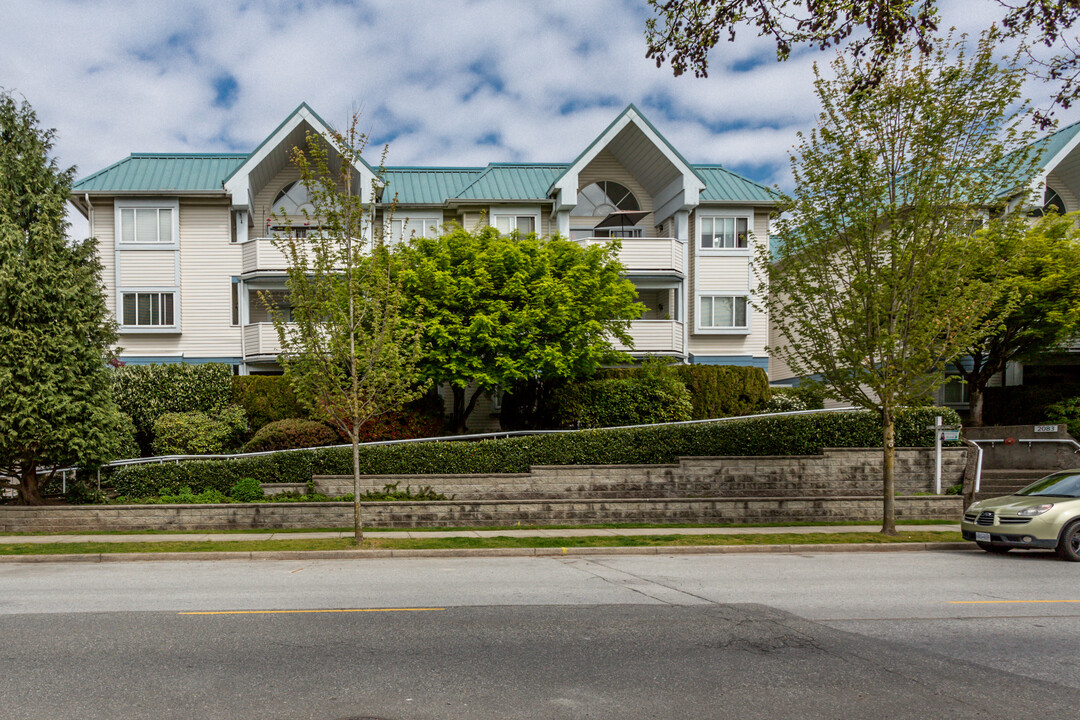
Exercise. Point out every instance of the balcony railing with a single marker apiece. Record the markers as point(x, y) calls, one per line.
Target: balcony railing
point(645, 253)
point(260, 254)
point(655, 336)
point(261, 340)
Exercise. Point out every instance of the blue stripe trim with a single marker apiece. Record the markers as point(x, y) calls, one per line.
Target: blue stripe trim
point(795, 381)
point(740, 360)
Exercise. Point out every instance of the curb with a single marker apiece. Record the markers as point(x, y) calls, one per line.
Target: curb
point(491, 552)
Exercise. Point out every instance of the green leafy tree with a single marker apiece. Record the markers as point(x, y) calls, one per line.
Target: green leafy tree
point(1040, 304)
point(879, 281)
point(502, 310)
point(684, 31)
point(347, 349)
point(55, 331)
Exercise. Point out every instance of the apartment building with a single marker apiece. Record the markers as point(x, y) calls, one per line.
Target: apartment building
point(186, 239)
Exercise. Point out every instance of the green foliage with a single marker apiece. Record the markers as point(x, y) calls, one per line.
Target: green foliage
point(292, 433)
point(146, 392)
point(199, 433)
point(785, 402)
point(653, 397)
point(129, 444)
point(716, 391)
point(247, 490)
point(83, 493)
point(499, 310)
point(1067, 412)
point(402, 425)
point(785, 435)
point(56, 334)
point(266, 398)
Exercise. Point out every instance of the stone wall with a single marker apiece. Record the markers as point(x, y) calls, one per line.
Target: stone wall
point(472, 513)
point(836, 472)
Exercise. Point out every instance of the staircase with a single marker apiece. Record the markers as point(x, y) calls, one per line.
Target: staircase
point(1006, 481)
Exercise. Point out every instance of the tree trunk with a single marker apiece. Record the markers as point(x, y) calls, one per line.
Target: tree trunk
point(29, 487)
point(457, 416)
point(975, 405)
point(888, 464)
point(358, 525)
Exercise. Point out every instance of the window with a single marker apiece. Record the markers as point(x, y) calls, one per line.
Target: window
point(148, 309)
point(507, 224)
point(235, 304)
point(954, 392)
point(293, 199)
point(603, 198)
point(723, 311)
point(1051, 202)
point(409, 227)
point(150, 225)
point(724, 233)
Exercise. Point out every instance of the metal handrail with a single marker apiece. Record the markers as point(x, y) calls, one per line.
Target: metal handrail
point(1068, 441)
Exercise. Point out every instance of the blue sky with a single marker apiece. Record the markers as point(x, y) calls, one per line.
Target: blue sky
point(443, 82)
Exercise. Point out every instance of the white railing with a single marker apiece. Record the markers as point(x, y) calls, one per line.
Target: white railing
point(655, 336)
point(260, 254)
point(645, 253)
point(261, 339)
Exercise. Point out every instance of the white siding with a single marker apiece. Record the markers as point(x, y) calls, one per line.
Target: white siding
point(147, 268)
point(104, 230)
point(606, 167)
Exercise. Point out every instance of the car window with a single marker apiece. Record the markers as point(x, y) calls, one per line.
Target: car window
point(1058, 485)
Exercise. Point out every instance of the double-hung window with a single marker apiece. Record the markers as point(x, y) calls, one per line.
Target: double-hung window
point(146, 225)
point(148, 310)
point(723, 312)
point(403, 229)
point(507, 224)
point(724, 233)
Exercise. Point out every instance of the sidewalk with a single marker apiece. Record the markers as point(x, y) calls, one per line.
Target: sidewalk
point(420, 534)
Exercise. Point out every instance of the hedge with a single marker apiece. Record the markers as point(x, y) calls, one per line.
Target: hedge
point(291, 433)
point(716, 391)
point(266, 399)
point(651, 398)
point(146, 392)
point(766, 435)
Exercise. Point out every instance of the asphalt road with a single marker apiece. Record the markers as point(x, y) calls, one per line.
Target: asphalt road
point(866, 635)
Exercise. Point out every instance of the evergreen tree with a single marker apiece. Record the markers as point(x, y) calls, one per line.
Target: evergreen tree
point(55, 329)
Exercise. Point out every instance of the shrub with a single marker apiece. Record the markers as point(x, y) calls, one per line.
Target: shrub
point(266, 399)
point(785, 402)
point(129, 445)
point(783, 435)
point(716, 391)
point(199, 433)
point(1066, 412)
point(649, 397)
point(401, 425)
point(810, 393)
point(247, 490)
point(146, 392)
point(292, 433)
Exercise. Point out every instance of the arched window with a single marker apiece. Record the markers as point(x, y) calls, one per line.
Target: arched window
point(293, 200)
point(603, 198)
point(1050, 200)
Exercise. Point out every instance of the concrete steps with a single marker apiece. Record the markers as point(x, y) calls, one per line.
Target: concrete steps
point(1006, 481)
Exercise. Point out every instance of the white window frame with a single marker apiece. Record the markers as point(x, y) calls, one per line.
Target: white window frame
point(412, 222)
point(515, 212)
point(735, 330)
point(956, 379)
point(160, 204)
point(735, 214)
point(140, 329)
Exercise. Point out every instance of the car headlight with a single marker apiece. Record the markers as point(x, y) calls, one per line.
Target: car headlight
point(1031, 511)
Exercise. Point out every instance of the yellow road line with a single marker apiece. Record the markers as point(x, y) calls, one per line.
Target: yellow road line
point(285, 612)
point(1004, 602)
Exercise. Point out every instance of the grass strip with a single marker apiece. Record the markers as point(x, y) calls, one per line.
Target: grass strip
point(470, 543)
point(599, 526)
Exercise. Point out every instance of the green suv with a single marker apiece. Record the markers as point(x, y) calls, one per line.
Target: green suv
point(1044, 515)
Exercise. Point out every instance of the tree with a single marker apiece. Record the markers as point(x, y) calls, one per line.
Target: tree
point(1040, 303)
point(501, 310)
point(55, 331)
point(347, 350)
point(689, 29)
point(880, 282)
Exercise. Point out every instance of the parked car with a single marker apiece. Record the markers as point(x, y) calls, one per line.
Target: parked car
point(1044, 515)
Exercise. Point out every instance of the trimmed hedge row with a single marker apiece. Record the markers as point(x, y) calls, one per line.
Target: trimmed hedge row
point(766, 435)
point(641, 400)
point(716, 391)
point(146, 392)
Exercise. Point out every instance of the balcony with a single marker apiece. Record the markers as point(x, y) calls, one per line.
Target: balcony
point(655, 336)
point(261, 340)
point(260, 254)
point(645, 253)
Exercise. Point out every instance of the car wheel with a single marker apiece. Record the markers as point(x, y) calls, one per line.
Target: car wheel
point(991, 548)
point(1069, 545)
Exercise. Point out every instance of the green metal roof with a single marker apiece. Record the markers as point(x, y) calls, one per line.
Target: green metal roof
point(427, 186)
point(506, 181)
point(153, 172)
point(1054, 143)
point(722, 185)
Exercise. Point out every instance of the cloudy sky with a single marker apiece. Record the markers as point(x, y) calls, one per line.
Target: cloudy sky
point(443, 82)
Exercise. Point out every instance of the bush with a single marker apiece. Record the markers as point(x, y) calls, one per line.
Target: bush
point(292, 433)
point(146, 392)
point(1066, 412)
point(716, 391)
point(199, 433)
point(129, 445)
point(784, 435)
point(401, 425)
point(651, 396)
point(266, 399)
point(810, 393)
point(247, 490)
point(785, 402)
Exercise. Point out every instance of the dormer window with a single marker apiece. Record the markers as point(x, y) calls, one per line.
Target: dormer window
point(293, 199)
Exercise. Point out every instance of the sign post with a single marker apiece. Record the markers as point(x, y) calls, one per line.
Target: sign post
point(941, 432)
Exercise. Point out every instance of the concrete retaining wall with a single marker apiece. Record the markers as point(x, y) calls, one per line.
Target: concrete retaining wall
point(1026, 455)
point(836, 472)
point(471, 513)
